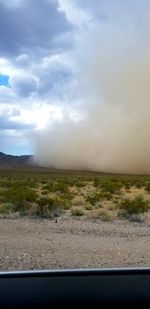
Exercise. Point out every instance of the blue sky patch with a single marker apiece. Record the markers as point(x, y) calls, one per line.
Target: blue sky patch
point(4, 80)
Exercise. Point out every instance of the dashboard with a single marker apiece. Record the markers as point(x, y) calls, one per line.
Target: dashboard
point(32, 289)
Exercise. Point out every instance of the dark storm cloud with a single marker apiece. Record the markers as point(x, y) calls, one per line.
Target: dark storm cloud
point(32, 24)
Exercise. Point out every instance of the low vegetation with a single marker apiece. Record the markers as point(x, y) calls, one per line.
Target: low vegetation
point(50, 194)
point(77, 211)
point(135, 206)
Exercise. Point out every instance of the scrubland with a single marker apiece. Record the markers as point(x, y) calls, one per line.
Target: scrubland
point(58, 219)
point(50, 194)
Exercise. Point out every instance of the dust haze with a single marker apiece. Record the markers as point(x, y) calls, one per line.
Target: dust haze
point(111, 130)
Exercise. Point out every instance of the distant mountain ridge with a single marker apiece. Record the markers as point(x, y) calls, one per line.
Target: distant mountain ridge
point(11, 161)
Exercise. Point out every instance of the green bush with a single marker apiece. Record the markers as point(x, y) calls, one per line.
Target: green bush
point(20, 197)
point(111, 186)
point(104, 215)
point(147, 187)
point(136, 206)
point(43, 203)
point(57, 186)
point(88, 207)
point(80, 184)
point(127, 186)
point(19, 194)
point(6, 208)
point(44, 192)
point(103, 195)
point(93, 198)
point(96, 182)
point(65, 205)
point(49, 206)
point(77, 211)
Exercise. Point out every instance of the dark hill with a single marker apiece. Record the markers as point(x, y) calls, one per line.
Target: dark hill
point(10, 161)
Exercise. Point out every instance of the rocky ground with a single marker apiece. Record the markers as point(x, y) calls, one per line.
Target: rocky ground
point(28, 243)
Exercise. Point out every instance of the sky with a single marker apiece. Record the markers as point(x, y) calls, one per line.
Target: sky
point(35, 36)
point(37, 69)
point(61, 64)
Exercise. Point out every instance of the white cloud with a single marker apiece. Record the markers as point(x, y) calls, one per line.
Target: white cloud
point(39, 115)
point(74, 13)
point(6, 95)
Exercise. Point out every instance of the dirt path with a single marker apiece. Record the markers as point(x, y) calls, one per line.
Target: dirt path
point(72, 243)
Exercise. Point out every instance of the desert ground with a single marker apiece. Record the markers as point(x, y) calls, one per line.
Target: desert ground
point(27, 243)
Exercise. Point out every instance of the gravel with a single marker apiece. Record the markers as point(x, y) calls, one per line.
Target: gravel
point(66, 242)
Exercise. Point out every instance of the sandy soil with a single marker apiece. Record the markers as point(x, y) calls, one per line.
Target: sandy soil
point(27, 243)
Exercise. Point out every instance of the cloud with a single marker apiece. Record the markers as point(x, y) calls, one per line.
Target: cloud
point(34, 33)
point(9, 120)
point(6, 95)
point(53, 76)
point(30, 26)
point(7, 124)
point(76, 14)
point(23, 84)
point(27, 44)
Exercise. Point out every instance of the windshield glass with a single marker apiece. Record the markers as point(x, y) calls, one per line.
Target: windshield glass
point(74, 134)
